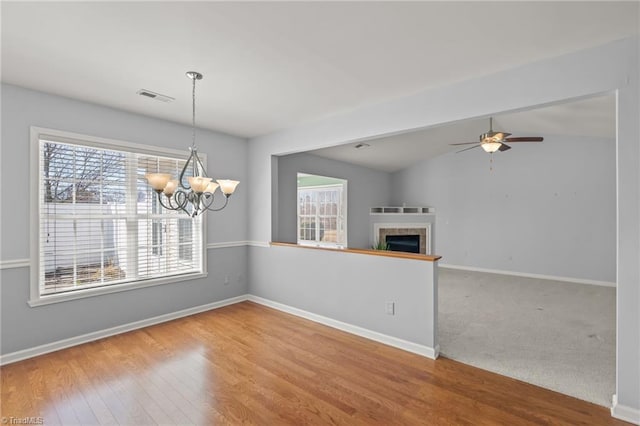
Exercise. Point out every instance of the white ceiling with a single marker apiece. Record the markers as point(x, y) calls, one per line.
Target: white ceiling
point(593, 117)
point(271, 65)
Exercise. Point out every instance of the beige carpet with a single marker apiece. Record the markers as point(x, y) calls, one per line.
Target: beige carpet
point(553, 334)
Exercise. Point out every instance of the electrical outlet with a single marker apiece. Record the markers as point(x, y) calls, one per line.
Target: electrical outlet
point(226, 279)
point(390, 308)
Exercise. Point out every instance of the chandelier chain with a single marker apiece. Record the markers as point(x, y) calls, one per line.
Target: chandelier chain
point(198, 194)
point(193, 114)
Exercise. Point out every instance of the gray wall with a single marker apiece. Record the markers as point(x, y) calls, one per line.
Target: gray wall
point(311, 280)
point(612, 67)
point(23, 327)
point(546, 208)
point(366, 188)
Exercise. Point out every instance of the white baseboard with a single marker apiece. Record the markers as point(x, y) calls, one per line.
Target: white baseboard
point(353, 329)
point(618, 411)
point(349, 328)
point(89, 337)
point(622, 412)
point(527, 275)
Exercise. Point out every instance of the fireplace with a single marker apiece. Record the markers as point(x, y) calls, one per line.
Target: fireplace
point(406, 243)
point(407, 237)
point(400, 227)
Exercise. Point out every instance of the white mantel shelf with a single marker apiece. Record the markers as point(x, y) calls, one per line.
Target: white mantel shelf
point(403, 210)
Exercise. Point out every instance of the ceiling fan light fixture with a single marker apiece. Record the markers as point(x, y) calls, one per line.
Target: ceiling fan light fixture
point(493, 136)
point(491, 147)
point(486, 137)
point(496, 141)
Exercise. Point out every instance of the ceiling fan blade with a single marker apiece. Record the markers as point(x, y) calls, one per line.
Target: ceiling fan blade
point(463, 143)
point(526, 139)
point(504, 147)
point(467, 149)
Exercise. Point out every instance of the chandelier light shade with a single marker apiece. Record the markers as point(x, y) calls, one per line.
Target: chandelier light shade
point(197, 194)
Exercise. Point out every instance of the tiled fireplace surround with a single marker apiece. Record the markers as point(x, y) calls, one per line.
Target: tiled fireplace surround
point(422, 232)
point(422, 229)
point(413, 220)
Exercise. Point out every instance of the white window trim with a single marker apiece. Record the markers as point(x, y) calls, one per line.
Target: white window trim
point(324, 243)
point(35, 298)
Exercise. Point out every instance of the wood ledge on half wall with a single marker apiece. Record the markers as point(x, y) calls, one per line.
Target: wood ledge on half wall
point(385, 253)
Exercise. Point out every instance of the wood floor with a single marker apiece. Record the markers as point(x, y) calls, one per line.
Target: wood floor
point(246, 363)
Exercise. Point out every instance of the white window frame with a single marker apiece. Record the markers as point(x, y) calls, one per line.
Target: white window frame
point(344, 204)
point(37, 133)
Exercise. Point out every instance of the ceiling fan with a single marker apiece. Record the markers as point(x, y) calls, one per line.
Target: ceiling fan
point(495, 141)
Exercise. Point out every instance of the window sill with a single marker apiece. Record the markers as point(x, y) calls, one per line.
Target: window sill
point(322, 244)
point(117, 288)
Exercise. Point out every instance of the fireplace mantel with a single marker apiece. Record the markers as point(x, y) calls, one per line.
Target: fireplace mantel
point(403, 210)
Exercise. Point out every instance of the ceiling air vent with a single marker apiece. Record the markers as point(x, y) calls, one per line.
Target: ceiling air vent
point(154, 95)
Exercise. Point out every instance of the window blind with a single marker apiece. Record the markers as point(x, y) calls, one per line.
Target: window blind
point(100, 223)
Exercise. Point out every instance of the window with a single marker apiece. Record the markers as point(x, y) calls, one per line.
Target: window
point(99, 226)
point(322, 210)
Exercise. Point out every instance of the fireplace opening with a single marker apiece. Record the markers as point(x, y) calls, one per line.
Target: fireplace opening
point(406, 243)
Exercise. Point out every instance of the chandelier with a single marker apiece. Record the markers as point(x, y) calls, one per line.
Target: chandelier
point(196, 196)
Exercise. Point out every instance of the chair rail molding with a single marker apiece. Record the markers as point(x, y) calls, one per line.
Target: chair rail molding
point(15, 263)
point(26, 262)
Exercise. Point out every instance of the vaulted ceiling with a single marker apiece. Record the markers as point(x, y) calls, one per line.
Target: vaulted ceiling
point(275, 65)
point(593, 117)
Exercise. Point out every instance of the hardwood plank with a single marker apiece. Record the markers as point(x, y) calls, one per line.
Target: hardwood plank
point(247, 363)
